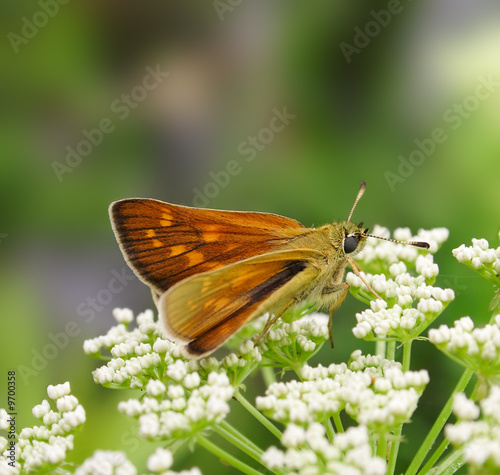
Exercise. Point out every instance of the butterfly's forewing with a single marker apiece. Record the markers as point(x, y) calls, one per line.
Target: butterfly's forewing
point(204, 310)
point(164, 243)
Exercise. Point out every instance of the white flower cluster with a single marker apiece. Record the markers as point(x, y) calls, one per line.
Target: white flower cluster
point(106, 461)
point(161, 461)
point(477, 431)
point(295, 342)
point(118, 338)
point(308, 451)
point(136, 354)
point(43, 448)
point(174, 412)
point(395, 317)
point(131, 371)
point(476, 348)
point(109, 462)
point(481, 258)
point(373, 391)
point(389, 252)
point(142, 352)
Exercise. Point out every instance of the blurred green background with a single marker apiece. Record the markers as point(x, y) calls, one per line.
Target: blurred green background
point(363, 83)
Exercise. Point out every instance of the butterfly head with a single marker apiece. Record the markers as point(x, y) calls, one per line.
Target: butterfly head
point(353, 237)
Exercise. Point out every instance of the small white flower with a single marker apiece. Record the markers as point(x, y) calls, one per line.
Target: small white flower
point(38, 411)
point(54, 453)
point(217, 407)
point(142, 349)
point(274, 458)
point(430, 306)
point(120, 350)
point(402, 234)
point(397, 268)
point(476, 263)
point(484, 260)
point(192, 380)
point(60, 390)
point(91, 347)
point(145, 317)
point(155, 387)
point(103, 375)
point(464, 408)
point(106, 462)
point(67, 403)
point(76, 417)
point(309, 452)
point(478, 439)
point(149, 425)
point(217, 379)
point(177, 370)
point(51, 418)
point(478, 348)
point(131, 408)
point(354, 280)
point(175, 391)
point(246, 347)
point(480, 244)
point(162, 346)
point(123, 315)
point(490, 405)
point(160, 460)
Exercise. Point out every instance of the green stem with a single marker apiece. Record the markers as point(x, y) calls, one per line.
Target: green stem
point(268, 375)
point(338, 423)
point(441, 420)
point(382, 447)
point(258, 415)
point(450, 464)
point(391, 350)
point(330, 432)
point(435, 456)
point(226, 457)
point(380, 348)
point(228, 432)
point(393, 455)
point(407, 355)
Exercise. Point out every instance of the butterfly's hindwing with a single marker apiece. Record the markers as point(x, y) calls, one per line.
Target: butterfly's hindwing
point(203, 311)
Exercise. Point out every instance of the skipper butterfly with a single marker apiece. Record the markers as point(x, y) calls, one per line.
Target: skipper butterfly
point(211, 272)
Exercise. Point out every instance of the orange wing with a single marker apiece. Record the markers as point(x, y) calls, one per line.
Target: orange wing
point(165, 243)
point(203, 311)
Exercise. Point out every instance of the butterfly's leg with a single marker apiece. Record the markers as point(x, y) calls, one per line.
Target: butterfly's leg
point(339, 292)
point(272, 320)
point(357, 270)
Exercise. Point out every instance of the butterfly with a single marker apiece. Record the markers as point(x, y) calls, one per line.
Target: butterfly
point(211, 272)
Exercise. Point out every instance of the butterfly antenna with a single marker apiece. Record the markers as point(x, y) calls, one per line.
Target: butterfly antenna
point(360, 194)
point(422, 244)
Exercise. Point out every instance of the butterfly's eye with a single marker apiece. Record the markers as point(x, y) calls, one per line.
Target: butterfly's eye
point(350, 244)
